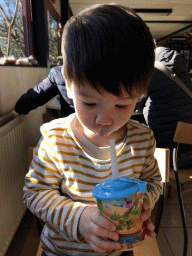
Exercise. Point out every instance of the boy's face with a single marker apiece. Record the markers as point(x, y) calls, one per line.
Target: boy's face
point(101, 116)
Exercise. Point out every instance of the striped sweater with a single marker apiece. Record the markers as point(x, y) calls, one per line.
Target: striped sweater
point(62, 175)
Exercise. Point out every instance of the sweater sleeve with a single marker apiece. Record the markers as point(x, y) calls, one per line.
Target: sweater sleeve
point(38, 95)
point(151, 173)
point(42, 194)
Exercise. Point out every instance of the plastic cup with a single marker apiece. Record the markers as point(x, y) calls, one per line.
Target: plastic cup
point(120, 200)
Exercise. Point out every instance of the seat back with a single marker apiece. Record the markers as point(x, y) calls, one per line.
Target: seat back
point(183, 133)
point(31, 152)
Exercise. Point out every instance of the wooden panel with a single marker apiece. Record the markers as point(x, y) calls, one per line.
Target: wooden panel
point(162, 156)
point(39, 252)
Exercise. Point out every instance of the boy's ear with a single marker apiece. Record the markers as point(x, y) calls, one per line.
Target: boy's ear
point(69, 92)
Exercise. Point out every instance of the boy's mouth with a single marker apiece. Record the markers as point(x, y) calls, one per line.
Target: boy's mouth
point(103, 131)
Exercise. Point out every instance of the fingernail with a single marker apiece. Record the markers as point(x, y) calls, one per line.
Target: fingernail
point(115, 237)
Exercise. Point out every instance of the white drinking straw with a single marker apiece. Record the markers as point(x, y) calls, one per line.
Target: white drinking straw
point(114, 166)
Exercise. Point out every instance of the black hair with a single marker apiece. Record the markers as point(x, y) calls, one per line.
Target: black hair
point(106, 46)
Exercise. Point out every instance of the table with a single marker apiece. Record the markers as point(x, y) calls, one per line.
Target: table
point(54, 107)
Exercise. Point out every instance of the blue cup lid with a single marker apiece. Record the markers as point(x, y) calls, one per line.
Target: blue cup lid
point(112, 188)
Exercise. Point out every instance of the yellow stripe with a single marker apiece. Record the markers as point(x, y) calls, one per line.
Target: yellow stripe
point(137, 134)
point(129, 167)
point(77, 181)
point(48, 207)
point(156, 184)
point(66, 218)
point(62, 144)
point(47, 168)
point(42, 140)
point(41, 175)
point(33, 189)
point(150, 147)
point(79, 156)
point(74, 162)
point(57, 205)
point(63, 137)
point(76, 198)
point(60, 213)
point(132, 150)
point(45, 202)
point(73, 217)
point(151, 172)
point(42, 197)
point(75, 171)
point(75, 249)
point(84, 165)
point(34, 197)
point(131, 158)
point(44, 246)
point(78, 190)
point(137, 141)
point(51, 228)
point(59, 239)
point(32, 180)
point(84, 200)
point(44, 158)
point(55, 247)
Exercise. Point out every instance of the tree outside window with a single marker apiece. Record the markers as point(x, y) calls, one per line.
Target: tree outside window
point(11, 29)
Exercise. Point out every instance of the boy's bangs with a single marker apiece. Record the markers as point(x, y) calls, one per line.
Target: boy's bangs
point(101, 50)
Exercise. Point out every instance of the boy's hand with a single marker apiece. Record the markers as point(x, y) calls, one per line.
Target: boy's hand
point(149, 226)
point(94, 228)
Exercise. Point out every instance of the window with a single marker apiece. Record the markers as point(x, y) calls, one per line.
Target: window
point(11, 28)
point(53, 39)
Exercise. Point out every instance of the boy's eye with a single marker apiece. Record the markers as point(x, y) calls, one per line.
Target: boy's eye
point(121, 106)
point(89, 104)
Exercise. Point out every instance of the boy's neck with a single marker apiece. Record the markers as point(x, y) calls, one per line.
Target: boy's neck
point(98, 140)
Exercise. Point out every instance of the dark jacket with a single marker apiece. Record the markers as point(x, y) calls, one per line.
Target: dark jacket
point(37, 96)
point(167, 103)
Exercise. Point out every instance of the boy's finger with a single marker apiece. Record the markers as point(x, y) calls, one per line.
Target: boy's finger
point(150, 233)
point(149, 225)
point(146, 215)
point(146, 204)
point(102, 232)
point(102, 244)
point(103, 222)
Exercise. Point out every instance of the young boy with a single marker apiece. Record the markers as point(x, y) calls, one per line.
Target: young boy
point(108, 55)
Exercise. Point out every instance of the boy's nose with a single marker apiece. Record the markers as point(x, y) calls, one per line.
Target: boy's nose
point(104, 119)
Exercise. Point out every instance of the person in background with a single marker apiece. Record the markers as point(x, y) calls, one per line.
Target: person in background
point(166, 103)
point(50, 87)
point(73, 154)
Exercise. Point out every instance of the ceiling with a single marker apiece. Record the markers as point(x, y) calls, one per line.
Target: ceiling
point(162, 26)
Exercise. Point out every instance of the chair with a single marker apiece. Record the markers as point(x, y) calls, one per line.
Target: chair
point(183, 134)
point(162, 157)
